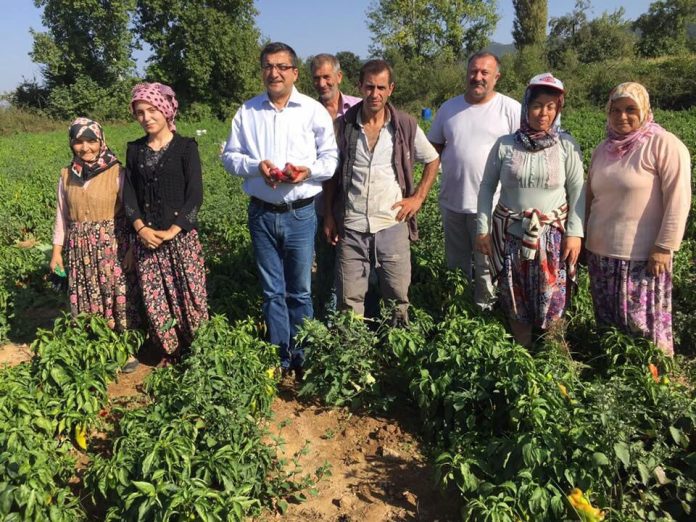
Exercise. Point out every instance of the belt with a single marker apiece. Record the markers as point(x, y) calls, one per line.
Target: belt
point(282, 207)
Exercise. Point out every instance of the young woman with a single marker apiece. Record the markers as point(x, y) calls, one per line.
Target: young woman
point(163, 194)
point(533, 236)
point(638, 200)
point(89, 219)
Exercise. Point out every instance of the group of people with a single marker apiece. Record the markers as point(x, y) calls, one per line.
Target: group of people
point(514, 199)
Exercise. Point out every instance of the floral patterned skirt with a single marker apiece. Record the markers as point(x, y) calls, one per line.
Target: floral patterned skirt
point(97, 281)
point(172, 279)
point(625, 295)
point(534, 292)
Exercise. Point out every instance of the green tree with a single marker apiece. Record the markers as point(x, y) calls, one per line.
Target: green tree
point(575, 39)
point(350, 65)
point(84, 39)
point(420, 29)
point(664, 28)
point(207, 51)
point(529, 26)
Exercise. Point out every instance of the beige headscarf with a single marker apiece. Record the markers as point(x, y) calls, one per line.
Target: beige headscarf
point(620, 144)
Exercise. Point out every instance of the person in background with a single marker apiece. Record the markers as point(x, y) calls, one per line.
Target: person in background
point(372, 200)
point(163, 195)
point(533, 237)
point(463, 132)
point(638, 199)
point(282, 143)
point(90, 221)
point(327, 77)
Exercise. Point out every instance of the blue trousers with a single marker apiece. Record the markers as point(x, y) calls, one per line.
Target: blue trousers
point(283, 245)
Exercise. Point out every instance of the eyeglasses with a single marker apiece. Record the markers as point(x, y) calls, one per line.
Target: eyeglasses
point(268, 67)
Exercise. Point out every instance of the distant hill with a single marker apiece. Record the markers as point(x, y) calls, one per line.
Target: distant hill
point(500, 49)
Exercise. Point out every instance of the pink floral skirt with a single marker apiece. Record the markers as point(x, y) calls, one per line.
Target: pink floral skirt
point(172, 279)
point(97, 281)
point(626, 296)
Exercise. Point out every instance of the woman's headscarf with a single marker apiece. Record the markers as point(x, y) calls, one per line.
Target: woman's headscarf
point(620, 144)
point(86, 129)
point(160, 96)
point(532, 139)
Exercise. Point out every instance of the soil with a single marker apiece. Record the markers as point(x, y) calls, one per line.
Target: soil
point(378, 470)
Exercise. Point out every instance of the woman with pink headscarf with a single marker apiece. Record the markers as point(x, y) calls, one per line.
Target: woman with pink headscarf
point(163, 195)
point(638, 198)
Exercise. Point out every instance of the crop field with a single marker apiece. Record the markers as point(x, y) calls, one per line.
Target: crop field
point(582, 427)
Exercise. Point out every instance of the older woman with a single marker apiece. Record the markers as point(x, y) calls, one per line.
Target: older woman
point(90, 220)
point(638, 199)
point(534, 235)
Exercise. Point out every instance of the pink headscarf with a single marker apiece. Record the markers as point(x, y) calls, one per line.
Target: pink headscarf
point(160, 96)
point(619, 145)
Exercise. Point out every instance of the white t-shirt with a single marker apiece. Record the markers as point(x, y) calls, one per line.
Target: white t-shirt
point(468, 132)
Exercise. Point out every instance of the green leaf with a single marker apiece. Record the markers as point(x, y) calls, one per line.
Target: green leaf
point(623, 453)
point(600, 459)
point(145, 487)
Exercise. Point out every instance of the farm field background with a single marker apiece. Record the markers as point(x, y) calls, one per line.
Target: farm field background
point(511, 434)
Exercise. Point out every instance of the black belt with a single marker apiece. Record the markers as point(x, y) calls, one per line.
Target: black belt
point(282, 207)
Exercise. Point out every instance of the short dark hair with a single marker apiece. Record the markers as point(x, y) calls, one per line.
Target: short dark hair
point(278, 47)
point(375, 67)
point(483, 54)
point(321, 59)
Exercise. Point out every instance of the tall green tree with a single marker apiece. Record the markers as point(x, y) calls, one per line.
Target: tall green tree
point(421, 29)
point(573, 38)
point(207, 50)
point(529, 25)
point(664, 28)
point(85, 39)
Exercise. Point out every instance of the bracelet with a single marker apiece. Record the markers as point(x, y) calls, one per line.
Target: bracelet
point(138, 231)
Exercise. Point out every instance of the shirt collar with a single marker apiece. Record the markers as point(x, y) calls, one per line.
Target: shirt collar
point(294, 98)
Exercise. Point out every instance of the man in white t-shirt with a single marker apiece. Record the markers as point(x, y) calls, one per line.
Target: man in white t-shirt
point(463, 132)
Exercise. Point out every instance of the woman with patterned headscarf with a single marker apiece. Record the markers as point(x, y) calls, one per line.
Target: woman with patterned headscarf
point(90, 221)
point(533, 236)
point(163, 195)
point(638, 199)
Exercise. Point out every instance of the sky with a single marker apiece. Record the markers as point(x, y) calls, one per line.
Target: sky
point(309, 26)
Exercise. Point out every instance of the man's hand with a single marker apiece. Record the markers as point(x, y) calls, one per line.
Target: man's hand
point(484, 244)
point(295, 173)
point(409, 207)
point(266, 169)
point(330, 229)
point(660, 261)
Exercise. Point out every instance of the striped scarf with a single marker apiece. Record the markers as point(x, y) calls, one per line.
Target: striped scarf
point(533, 224)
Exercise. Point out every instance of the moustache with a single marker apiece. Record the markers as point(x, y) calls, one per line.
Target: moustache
point(474, 83)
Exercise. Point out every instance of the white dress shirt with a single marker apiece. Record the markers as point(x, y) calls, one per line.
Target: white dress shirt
point(300, 133)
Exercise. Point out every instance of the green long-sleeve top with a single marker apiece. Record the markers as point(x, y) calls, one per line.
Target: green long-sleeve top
point(542, 180)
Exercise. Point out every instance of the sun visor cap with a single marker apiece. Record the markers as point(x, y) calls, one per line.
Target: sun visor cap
point(546, 80)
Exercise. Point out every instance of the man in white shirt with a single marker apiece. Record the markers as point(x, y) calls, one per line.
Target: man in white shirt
point(464, 130)
point(372, 200)
point(282, 143)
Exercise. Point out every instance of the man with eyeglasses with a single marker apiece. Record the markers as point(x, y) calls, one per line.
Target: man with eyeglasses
point(282, 143)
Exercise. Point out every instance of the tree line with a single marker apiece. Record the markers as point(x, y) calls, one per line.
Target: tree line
point(207, 50)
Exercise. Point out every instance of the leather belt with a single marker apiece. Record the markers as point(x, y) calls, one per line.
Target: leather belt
point(282, 207)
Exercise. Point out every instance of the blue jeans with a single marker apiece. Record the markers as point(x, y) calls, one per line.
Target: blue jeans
point(284, 249)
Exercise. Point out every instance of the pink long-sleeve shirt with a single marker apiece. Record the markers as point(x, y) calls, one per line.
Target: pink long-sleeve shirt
point(641, 200)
